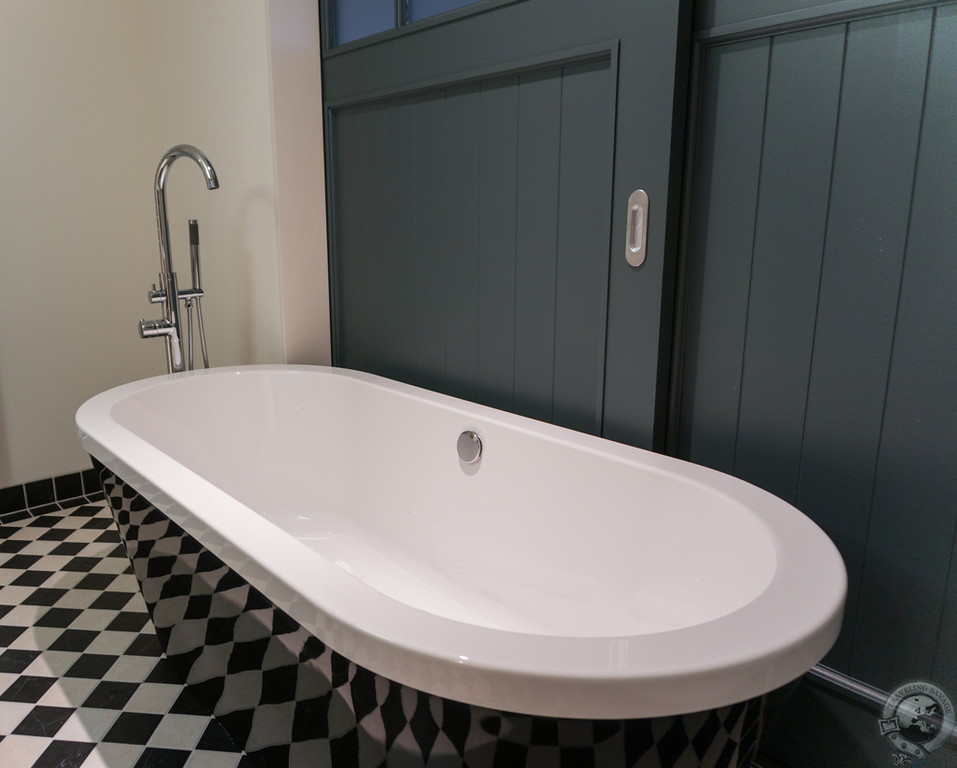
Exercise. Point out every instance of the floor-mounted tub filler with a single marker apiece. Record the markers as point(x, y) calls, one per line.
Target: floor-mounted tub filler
point(351, 571)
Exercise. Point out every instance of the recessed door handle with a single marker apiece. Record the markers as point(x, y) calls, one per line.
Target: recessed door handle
point(636, 240)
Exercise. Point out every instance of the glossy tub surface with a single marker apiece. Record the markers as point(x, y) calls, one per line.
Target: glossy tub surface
point(562, 575)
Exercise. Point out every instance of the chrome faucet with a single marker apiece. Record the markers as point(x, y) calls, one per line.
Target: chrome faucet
point(168, 293)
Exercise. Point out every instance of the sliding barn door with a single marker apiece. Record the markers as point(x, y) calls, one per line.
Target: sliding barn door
point(480, 168)
point(821, 356)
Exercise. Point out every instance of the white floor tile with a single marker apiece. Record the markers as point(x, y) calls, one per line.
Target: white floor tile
point(113, 756)
point(64, 580)
point(111, 642)
point(133, 669)
point(40, 547)
point(23, 615)
point(37, 638)
point(52, 663)
point(68, 692)
point(21, 751)
point(11, 595)
point(93, 618)
point(12, 714)
point(87, 724)
point(54, 563)
point(7, 679)
point(179, 732)
point(154, 697)
point(203, 759)
point(78, 598)
point(111, 564)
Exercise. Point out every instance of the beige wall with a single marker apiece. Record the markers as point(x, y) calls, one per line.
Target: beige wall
point(93, 93)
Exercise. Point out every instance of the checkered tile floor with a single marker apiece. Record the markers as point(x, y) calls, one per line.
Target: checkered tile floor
point(82, 678)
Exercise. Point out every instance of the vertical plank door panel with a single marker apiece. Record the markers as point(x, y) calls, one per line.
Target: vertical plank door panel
point(497, 195)
point(864, 250)
point(462, 263)
point(915, 496)
point(729, 156)
point(583, 220)
point(803, 93)
point(432, 238)
point(539, 144)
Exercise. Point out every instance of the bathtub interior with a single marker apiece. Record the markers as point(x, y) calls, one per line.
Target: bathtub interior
point(548, 535)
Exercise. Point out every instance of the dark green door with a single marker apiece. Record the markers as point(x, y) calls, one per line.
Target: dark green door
point(480, 167)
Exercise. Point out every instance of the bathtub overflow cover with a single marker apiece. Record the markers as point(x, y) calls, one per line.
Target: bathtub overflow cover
point(469, 447)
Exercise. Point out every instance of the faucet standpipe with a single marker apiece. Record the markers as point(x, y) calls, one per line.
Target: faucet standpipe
point(168, 294)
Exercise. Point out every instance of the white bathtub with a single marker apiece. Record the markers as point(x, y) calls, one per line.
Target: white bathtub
point(562, 575)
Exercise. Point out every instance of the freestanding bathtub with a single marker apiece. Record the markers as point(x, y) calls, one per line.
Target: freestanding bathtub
point(344, 588)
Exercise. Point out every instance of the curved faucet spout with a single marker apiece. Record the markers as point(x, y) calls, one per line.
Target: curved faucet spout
point(159, 192)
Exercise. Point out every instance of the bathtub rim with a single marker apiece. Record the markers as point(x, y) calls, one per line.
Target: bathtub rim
point(593, 677)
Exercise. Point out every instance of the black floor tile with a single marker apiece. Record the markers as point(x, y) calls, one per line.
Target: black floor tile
point(14, 661)
point(112, 600)
point(154, 757)
point(9, 634)
point(46, 509)
point(187, 704)
point(31, 578)
point(22, 562)
point(56, 534)
point(98, 524)
point(145, 645)
point(58, 617)
point(111, 694)
point(44, 721)
point(163, 672)
point(217, 738)
point(64, 754)
point(77, 640)
point(10, 546)
point(27, 689)
point(43, 521)
point(68, 548)
point(93, 665)
point(44, 596)
point(133, 728)
point(81, 564)
point(128, 621)
point(99, 581)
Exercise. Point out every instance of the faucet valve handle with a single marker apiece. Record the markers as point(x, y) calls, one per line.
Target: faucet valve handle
point(156, 296)
point(150, 328)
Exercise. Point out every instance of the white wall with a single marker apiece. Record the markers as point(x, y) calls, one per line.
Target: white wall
point(300, 183)
point(92, 95)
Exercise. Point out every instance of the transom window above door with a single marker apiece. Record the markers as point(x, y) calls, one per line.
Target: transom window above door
point(354, 20)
